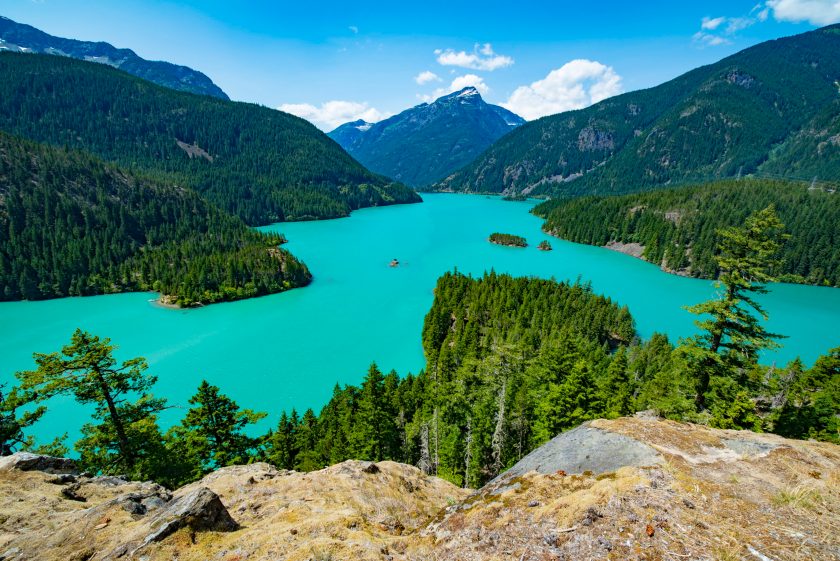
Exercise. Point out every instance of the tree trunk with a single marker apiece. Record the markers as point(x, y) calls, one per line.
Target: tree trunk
point(125, 447)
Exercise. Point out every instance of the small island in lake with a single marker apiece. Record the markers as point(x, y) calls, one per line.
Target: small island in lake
point(507, 239)
point(544, 246)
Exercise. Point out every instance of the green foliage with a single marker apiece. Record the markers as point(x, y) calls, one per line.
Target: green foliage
point(678, 227)
point(730, 406)
point(260, 164)
point(810, 400)
point(125, 437)
point(12, 425)
point(508, 239)
point(731, 332)
point(71, 225)
point(510, 363)
point(212, 434)
point(771, 107)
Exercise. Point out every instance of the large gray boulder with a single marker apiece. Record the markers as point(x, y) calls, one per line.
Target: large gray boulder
point(199, 510)
point(585, 449)
point(27, 461)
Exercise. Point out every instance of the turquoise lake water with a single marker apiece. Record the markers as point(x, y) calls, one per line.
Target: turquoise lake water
point(289, 350)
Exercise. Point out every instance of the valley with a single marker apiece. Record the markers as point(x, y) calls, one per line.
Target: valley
point(290, 349)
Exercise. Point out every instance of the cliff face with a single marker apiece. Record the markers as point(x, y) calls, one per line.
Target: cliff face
point(622, 489)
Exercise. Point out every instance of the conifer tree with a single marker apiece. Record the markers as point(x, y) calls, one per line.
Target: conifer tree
point(214, 429)
point(12, 425)
point(733, 335)
point(126, 438)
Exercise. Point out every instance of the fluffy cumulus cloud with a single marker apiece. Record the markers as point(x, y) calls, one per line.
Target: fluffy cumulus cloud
point(815, 12)
point(459, 83)
point(574, 85)
point(426, 76)
point(482, 57)
point(333, 113)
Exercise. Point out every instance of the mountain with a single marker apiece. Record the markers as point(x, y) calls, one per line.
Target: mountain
point(258, 163)
point(428, 142)
point(71, 225)
point(348, 134)
point(22, 38)
point(676, 228)
point(771, 109)
point(629, 488)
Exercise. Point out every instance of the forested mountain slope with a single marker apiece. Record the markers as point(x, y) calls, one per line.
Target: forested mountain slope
point(71, 225)
point(677, 228)
point(428, 142)
point(258, 163)
point(774, 107)
point(19, 37)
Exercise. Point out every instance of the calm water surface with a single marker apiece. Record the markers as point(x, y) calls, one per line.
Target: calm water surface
point(289, 350)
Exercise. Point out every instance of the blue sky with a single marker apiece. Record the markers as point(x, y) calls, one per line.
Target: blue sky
point(334, 61)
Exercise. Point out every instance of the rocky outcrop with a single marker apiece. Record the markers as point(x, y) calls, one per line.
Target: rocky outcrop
point(629, 489)
point(585, 449)
point(26, 461)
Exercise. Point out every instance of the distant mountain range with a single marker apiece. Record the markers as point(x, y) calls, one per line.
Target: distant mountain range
point(428, 142)
point(770, 110)
point(18, 37)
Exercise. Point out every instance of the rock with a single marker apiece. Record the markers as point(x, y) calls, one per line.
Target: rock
point(199, 510)
point(371, 468)
point(63, 479)
point(582, 449)
point(26, 461)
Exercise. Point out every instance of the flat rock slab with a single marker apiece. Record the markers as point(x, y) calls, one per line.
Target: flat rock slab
point(585, 449)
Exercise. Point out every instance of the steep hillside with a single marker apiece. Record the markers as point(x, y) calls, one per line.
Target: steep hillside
point(22, 38)
point(428, 142)
point(629, 489)
point(676, 228)
point(260, 164)
point(70, 225)
point(772, 107)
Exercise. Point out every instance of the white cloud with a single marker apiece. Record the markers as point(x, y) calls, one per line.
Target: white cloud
point(815, 12)
point(481, 58)
point(333, 113)
point(712, 23)
point(721, 30)
point(710, 39)
point(353, 29)
point(427, 76)
point(574, 85)
point(459, 83)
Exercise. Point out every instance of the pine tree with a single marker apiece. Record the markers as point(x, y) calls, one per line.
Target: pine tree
point(12, 425)
point(126, 438)
point(733, 336)
point(214, 429)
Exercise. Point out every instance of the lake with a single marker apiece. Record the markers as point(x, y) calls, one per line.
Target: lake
point(289, 350)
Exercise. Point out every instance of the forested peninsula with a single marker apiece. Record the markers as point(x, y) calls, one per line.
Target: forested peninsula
point(72, 225)
point(677, 228)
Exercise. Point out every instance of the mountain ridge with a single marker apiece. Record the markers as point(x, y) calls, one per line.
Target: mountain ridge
point(20, 37)
point(743, 114)
point(429, 141)
point(258, 163)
